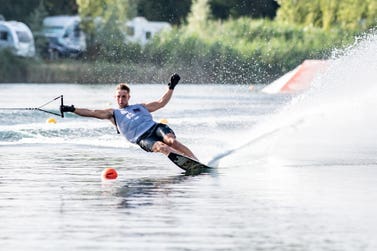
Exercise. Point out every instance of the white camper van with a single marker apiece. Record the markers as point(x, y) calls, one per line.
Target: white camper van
point(17, 37)
point(140, 30)
point(65, 37)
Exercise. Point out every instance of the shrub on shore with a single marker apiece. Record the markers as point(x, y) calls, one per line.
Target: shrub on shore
point(12, 68)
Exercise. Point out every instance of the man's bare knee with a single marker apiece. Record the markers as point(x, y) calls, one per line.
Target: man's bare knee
point(161, 147)
point(169, 139)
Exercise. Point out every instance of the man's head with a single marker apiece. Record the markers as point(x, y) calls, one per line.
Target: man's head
point(122, 94)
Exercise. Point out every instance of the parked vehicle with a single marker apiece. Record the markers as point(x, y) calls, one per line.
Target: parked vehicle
point(140, 30)
point(64, 35)
point(17, 37)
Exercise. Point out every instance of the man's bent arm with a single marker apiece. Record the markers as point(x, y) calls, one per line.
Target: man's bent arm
point(155, 105)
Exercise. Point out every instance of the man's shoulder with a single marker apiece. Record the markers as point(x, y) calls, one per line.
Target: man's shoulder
point(109, 110)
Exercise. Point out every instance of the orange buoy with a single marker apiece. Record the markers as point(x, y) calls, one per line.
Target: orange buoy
point(109, 174)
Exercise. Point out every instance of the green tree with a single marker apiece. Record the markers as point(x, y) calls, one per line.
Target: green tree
point(293, 11)
point(328, 10)
point(61, 7)
point(351, 12)
point(106, 9)
point(17, 10)
point(36, 17)
point(171, 11)
point(20, 10)
point(346, 14)
point(103, 22)
point(224, 9)
point(96, 14)
point(199, 15)
point(371, 12)
point(175, 12)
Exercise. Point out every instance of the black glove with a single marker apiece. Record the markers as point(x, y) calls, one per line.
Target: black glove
point(67, 108)
point(174, 79)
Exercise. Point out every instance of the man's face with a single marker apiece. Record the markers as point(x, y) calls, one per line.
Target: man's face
point(122, 98)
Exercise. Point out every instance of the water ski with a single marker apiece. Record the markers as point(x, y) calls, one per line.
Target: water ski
point(192, 167)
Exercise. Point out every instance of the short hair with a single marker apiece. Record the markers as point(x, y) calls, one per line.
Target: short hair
point(123, 86)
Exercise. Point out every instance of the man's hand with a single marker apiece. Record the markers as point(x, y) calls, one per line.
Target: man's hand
point(67, 108)
point(174, 79)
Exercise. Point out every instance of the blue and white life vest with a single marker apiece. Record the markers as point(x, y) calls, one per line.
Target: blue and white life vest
point(133, 121)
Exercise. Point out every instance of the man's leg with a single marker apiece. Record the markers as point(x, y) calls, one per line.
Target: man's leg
point(172, 142)
point(161, 147)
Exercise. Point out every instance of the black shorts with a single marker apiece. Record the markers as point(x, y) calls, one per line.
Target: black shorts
point(156, 133)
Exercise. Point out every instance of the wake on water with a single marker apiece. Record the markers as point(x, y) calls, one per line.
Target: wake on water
point(332, 123)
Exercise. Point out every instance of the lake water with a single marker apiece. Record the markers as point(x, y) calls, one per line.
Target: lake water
point(295, 173)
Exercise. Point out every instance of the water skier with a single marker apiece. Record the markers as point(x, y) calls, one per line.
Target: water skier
point(135, 122)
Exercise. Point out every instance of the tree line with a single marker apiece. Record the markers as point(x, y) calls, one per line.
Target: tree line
point(326, 14)
point(171, 11)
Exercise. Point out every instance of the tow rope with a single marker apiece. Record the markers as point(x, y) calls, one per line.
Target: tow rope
point(61, 114)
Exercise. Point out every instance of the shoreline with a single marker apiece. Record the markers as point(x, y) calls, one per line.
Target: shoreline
point(85, 72)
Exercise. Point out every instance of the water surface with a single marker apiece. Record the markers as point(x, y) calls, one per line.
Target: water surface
point(295, 173)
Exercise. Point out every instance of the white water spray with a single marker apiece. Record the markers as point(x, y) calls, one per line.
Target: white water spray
point(332, 123)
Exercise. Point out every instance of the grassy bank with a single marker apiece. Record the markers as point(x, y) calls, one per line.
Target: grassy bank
point(236, 51)
point(74, 71)
point(21, 70)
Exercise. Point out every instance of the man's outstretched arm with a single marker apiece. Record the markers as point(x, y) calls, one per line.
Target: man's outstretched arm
point(99, 114)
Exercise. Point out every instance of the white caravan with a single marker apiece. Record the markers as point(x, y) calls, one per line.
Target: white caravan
point(65, 37)
point(140, 30)
point(17, 37)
